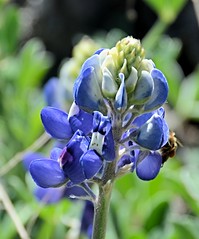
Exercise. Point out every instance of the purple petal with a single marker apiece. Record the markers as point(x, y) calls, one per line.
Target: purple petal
point(56, 123)
point(91, 163)
point(160, 91)
point(148, 166)
point(47, 173)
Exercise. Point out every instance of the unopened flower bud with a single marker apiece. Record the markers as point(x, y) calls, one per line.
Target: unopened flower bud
point(143, 89)
point(131, 81)
point(146, 65)
point(109, 86)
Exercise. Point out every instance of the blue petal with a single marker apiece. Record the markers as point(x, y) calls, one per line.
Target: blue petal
point(50, 92)
point(74, 191)
point(87, 91)
point(99, 51)
point(49, 195)
point(93, 61)
point(87, 219)
point(29, 157)
point(55, 153)
point(144, 89)
point(102, 137)
point(148, 166)
point(129, 158)
point(47, 173)
point(160, 91)
point(91, 163)
point(80, 119)
point(70, 159)
point(124, 160)
point(108, 149)
point(121, 96)
point(151, 134)
point(56, 123)
point(142, 119)
point(165, 130)
point(101, 123)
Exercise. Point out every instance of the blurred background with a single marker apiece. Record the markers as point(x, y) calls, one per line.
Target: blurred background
point(43, 41)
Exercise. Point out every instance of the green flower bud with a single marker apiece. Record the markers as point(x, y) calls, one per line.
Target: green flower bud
point(126, 54)
point(109, 64)
point(146, 65)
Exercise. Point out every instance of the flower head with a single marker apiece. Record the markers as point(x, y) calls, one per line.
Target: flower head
point(116, 120)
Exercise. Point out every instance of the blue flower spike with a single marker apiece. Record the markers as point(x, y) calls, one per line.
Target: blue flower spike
point(115, 125)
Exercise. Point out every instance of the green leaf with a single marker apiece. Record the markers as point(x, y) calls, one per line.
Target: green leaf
point(34, 62)
point(188, 100)
point(9, 29)
point(186, 227)
point(167, 10)
point(8, 229)
point(166, 60)
point(157, 215)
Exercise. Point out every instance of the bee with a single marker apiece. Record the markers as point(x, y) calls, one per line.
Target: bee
point(169, 149)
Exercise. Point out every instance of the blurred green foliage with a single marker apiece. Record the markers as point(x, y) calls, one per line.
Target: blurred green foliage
point(22, 69)
point(167, 207)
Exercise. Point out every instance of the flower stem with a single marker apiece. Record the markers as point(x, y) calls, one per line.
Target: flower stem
point(102, 202)
point(101, 211)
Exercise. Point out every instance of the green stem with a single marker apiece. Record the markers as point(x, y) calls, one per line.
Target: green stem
point(150, 40)
point(101, 211)
point(102, 202)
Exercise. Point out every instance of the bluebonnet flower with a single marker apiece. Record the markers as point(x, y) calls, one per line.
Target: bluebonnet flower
point(116, 119)
point(61, 125)
point(81, 158)
point(51, 195)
